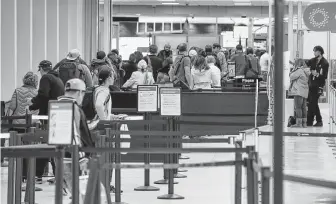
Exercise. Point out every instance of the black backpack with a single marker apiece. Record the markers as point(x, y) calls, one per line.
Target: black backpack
point(70, 70)
point(88, 103)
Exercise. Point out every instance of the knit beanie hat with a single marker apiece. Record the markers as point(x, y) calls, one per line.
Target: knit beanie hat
point(142, 65)
point(30, 79)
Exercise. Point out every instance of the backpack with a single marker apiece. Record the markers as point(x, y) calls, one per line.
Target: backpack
point(179, 82)
point(70, 70)
point(291, 121)
point(88, 104)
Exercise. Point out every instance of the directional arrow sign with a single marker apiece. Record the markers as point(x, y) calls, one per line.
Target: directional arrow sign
point(321, 17)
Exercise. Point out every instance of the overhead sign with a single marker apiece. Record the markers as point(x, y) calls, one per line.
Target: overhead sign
point(61, 126)
point(147, 98)
point(320, 17)
point(170, 101)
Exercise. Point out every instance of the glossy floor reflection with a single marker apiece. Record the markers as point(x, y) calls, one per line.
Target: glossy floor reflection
point(310, 157)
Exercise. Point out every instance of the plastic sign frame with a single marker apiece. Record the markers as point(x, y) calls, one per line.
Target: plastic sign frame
point(173, 92)
point(147, 88)
point(61, 122)
point(320, 16)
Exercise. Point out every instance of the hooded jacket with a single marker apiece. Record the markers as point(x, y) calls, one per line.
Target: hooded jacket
point(202, 79)
point(51, 87)
point(97, 65)
point(299, 82)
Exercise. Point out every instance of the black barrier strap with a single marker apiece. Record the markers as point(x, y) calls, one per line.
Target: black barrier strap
point(311, 181)
point(165, 150)
point(238, 175)
point(59, 175)
point(92, 181)
point(109, 123)
point(298, 134)
point(171, 133)
point(223, 114)
point(75, 174)
point(214, 123)
point(173, 166)
point(265, 186)
point(160, 140)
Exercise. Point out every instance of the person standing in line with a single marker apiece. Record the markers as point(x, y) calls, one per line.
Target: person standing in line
point(217, 49)
point(319, 73)
point(299, 89)
point(51, 87)
point(130, 67)
point(154, 63)
point(165, 53)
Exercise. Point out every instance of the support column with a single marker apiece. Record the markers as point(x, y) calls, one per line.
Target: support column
point(299, 53)
point(107, 26)
point(90, 29)
point(290, 31)
point(250, 32)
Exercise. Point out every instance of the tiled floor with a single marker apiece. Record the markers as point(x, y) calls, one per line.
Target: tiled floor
point(310, 157)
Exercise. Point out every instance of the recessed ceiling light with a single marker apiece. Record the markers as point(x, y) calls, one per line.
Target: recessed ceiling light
point(170, 3)
point(242, 3)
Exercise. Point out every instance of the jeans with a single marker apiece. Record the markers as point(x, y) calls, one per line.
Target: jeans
point(300, 107)
point(67, 174)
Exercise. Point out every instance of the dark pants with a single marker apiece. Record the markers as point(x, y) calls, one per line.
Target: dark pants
point(300, 107)
point(313, 107)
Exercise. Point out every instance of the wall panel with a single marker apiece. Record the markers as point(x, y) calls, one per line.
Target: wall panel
point(52, 31)
point(63, 28)
point(23, 39)
point(7, 49)
point(38, 33)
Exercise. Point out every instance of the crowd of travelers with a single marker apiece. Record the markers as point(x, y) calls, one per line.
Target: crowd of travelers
point(89, 85)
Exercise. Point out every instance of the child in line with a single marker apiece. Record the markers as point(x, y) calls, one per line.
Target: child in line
point(299, 89)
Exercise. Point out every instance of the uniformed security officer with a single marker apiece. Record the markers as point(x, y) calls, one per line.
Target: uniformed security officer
point(319, 73)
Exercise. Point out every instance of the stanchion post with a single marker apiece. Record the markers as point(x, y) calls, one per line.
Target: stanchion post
point(59, 176)
point(147, 186)
point(75, 174)
point(11, 170)
point(91, 189)
point(176, 157)
point(256, 139)
point(170, 195)
point(238, 170)
point(117, 170)
point(249, 179)
point(256, 180)
point(265, 185)
point(18, 173)
point(165, 179)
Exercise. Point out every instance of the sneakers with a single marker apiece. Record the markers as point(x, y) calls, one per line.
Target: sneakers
point(298, 123)
point(304, 122)
point(318, 124)
point(113, 190)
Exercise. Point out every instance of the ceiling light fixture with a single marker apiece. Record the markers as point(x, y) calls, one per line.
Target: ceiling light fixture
point(170, 3)
point(242, 3)
point(167, 0)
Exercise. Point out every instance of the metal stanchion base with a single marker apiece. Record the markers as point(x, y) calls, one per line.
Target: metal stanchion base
point(171, 197)
point(147, 188)
point(119, 203)
point(182, 170)
point(180, 176)
point(183, 157)
point(36, 188)
point(164, 181)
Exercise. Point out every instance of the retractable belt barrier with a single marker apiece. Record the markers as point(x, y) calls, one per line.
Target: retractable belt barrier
point(332, 107)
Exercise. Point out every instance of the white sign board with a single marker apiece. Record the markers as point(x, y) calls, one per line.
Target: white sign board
point(147, 98)
point(61, 116)
point(170, 101)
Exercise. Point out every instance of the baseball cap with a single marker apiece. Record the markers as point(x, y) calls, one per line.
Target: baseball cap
point(75, 85)
point(73, 54)
point(45, 65)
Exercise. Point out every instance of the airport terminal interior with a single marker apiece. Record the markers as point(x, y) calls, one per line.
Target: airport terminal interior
point(168, 101)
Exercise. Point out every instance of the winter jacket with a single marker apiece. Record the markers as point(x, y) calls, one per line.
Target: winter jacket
point(82, 135)
point(80, 61)
point(163, 54)
point(96, 66)
point(51, 87)
point(241, 63)
point(321, 68)
point(156, 63)
point(299, 82)
point(222, 61)
point(19, 102)
point(202, 79)
point(255, 69)
point(139, 78)
point(129, 68)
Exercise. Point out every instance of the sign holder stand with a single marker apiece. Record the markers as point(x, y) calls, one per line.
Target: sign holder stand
point(147, 94)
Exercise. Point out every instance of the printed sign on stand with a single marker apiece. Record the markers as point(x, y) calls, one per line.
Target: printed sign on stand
point(232, 69)
point(61, 126)
point(170, 101)
point(147, 98)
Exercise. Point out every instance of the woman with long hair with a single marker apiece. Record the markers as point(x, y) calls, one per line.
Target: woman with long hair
point(201, 74)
